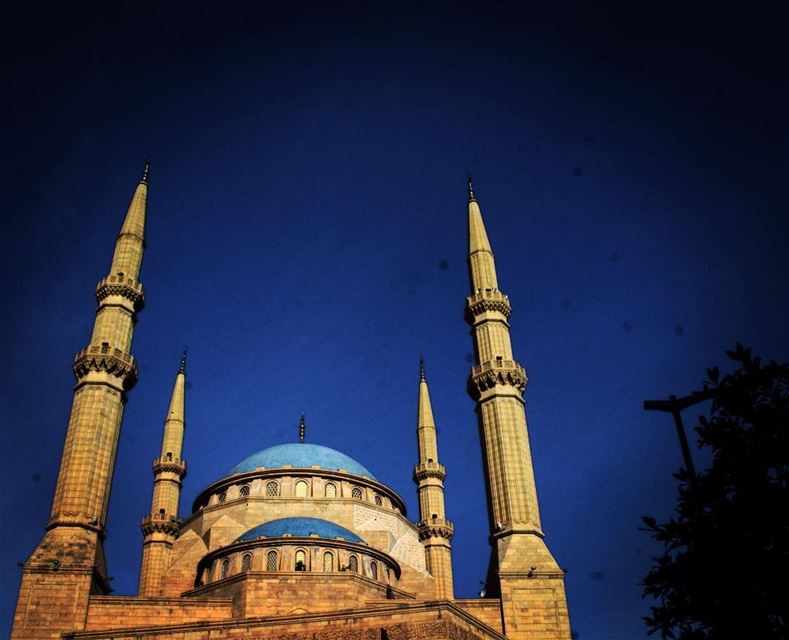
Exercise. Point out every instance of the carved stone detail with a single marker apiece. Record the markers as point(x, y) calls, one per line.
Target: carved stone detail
point(157, 523)
point(487, 300)
point(121, 286)
point(107, 359)
point(169, 465)
point(435, 528)
point(496, 372)
point(429, 470)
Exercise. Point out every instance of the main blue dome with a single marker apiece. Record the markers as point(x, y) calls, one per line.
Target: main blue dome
point(301, 455)
point(299, 527)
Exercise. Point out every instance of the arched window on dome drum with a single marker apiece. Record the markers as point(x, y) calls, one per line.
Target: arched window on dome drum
point(330, 491)
point(301, 489)
point(222, 496)
point(224, 568)
point(378, 500)
point(374, 570)
point(272, 563)
point(356, 493)
point(388, 576)
point(328, 562)
point(246, 562)
point(353, 564)
point(244, 491)
point(272, 489)
point(301, 561)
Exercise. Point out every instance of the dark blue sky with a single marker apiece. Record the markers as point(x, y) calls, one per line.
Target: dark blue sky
point(307, 240)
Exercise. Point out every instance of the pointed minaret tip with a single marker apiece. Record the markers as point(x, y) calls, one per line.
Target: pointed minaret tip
point(470, 186)
point(302, 429)
point(422, 369)
point(146, 170)
point(182, 369)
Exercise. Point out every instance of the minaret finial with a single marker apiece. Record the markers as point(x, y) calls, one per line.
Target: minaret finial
point(471, 197)
point(145, 170)
point(302, 428)
point(183, 362)
point(422, 369)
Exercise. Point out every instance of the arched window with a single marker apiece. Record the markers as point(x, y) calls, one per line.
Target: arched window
point(374, 570)
point(353, 564)
point(356, 493)
point(301, 560)
point(224, 568)
point(246, 562)
point(222, 496)
point(388, 576)
point(272, 563)
point(328, 562)
point(330, 491)
point(244, 491)
point(301, 489)
point(378, 500)
point(272, 489)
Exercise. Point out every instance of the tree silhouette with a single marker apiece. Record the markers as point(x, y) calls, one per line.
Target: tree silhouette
point(724, 570)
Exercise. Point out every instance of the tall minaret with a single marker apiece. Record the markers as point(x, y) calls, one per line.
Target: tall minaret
point(160, 527)
point(435, 531)
point(522, 572)
point(68, 564)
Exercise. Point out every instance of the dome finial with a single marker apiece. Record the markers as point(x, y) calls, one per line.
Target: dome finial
point(302, 428)
point(183, 363)
point(146, 170)
point(471, 197)
point(422, 368)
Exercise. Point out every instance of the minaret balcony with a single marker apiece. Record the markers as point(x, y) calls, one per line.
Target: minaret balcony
point(485, 301)
point(160, 523)
point(106, 359)
point(496, 372)
point(435, 528)
point(169, 464)
point(120, 285)
point(427, 470)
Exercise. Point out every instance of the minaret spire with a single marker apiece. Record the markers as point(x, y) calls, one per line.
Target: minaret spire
point(521, 562)
point(70, 554)
point(302, 428)
point(160, 527)
point(435, 531)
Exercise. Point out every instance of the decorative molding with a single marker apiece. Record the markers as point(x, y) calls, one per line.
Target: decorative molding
point(164, 464)
point(435, 528)
point(486, 300)
point(107, 359)
point(121, 286)
point(429, 470)
point(496, 372)
point(157, 523)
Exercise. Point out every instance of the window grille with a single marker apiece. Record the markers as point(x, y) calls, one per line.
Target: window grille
point(328, 562)
point(271, 561)
point(356, 493)
point(330, 490)
point(244, 491)
point(374, 570)
point(224, 568)
point(222, 496)
point(353, 564)
point(378, 500)
point(246, 562)
point(272, 489)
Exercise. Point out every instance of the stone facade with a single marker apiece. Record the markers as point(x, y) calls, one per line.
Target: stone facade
point(298, 541)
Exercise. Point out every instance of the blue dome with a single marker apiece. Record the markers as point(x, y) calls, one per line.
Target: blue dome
point(299, 527)
point(301, 455)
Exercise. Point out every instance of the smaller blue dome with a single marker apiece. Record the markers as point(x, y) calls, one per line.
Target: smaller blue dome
point(299, 527)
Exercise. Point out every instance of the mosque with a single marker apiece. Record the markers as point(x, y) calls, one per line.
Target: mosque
point(298, 541)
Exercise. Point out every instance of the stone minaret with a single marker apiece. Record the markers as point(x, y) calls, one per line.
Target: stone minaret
point(435, 531)
point(522, 571)
point(68, 564)
point(160, 527)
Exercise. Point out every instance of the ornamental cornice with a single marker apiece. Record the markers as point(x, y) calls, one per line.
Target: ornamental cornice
point(165, 464)
point(435, 528)
point(496, 372)
point(121, 286)
point(429, 470)
point(485, 300)
point(106, 359)
point(157, 523)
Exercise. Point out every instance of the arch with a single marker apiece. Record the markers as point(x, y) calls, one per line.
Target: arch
point(224, 568)
point(374, 570)
point(300, 560)
point(302, 489)
point(378, 501)
point(272, 489)
point(356, 493)
point(330, 490)
point(328, 562)
point(246, 562)
point(222, 496)
point(244, 490)
point(353, 564)
point(272, 561)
